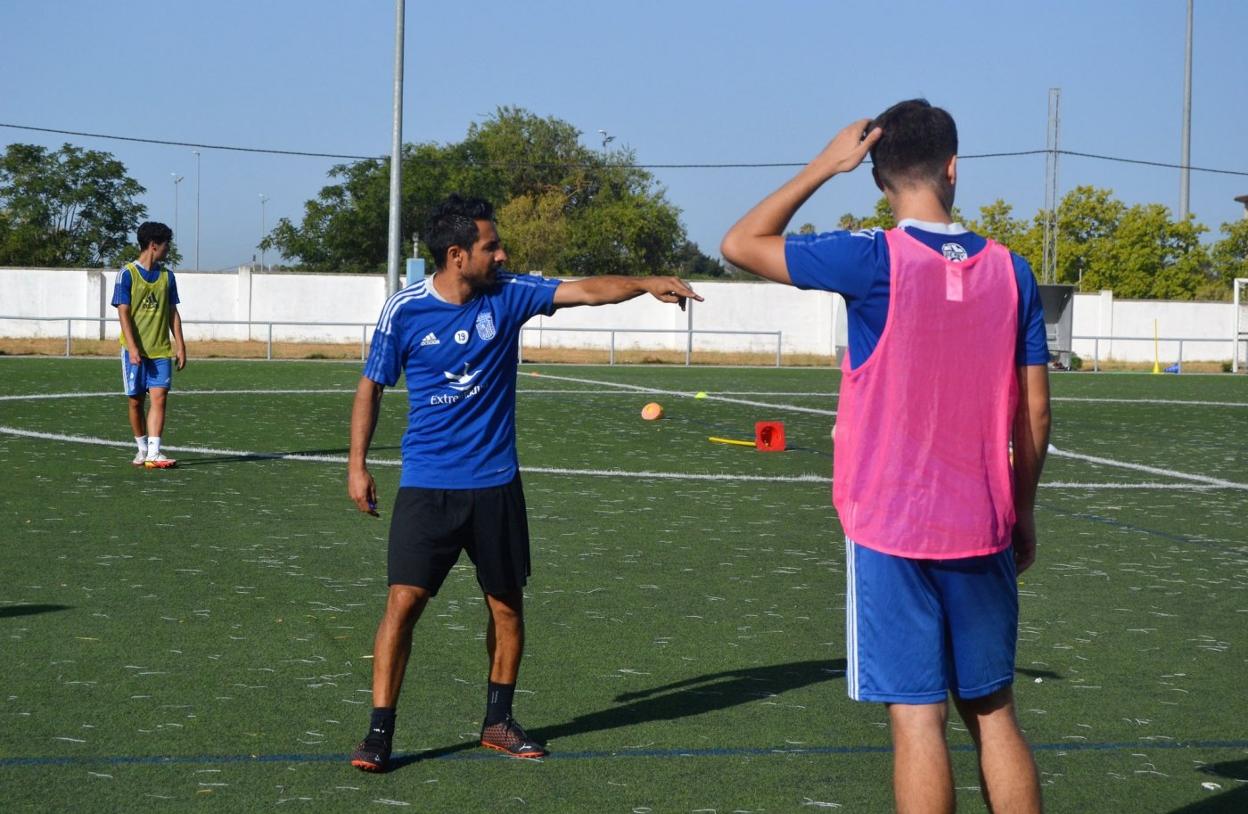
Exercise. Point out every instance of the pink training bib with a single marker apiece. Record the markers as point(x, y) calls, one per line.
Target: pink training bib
point(921, 466)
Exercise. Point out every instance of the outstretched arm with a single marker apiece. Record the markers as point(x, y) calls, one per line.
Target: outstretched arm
point(361, 487)
point(756, 243)
point(1031, 443)
point(612, 288)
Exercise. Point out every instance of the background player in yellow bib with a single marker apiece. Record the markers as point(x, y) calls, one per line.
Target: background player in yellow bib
point(146, 298)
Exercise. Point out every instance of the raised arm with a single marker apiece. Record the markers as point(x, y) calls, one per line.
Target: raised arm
point(361, 487)
point(1031, 443)
point(612, 288)
point(756, 242)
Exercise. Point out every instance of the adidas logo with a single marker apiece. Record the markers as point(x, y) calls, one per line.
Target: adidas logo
point(429, 339)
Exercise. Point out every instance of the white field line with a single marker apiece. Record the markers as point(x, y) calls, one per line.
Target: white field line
point(683, 393)
point(178, 393)
point(718, 395)
point(1183, 402)
point(1213, 483)
point(1152, 470)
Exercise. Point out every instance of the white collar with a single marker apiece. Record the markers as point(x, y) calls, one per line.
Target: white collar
point(935, 228)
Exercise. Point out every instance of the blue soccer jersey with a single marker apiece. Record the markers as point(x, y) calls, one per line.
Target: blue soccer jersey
point(856, 266)
point(122, 286)
point(460, 365)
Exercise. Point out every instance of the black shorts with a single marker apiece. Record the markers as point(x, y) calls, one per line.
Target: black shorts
point(431, 526)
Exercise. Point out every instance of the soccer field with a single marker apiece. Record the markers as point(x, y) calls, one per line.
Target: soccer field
point(199, 638)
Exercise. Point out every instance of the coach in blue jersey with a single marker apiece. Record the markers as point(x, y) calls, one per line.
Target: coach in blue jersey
point(453, 336)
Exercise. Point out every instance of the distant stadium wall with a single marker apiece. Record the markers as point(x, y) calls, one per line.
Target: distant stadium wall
point(810, 322)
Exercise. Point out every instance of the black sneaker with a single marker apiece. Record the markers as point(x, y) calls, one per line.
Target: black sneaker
point(372, 754)
point(509, 737)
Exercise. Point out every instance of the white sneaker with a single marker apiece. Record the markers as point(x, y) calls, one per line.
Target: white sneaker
point(140, 458)
point(159, 461)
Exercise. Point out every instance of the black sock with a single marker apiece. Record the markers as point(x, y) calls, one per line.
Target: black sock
point(498, 702)
point(382, 722)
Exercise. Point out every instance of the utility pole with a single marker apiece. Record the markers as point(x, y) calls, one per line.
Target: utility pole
point(1185, 175)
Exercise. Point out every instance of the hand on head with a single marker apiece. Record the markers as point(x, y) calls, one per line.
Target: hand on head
point(850, 146)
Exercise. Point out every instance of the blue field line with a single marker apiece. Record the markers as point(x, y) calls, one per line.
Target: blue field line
point(184, 760)
point(1164, 535)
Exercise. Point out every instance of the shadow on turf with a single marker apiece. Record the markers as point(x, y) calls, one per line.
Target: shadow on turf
point(681, 699)
point(269, 456)
point(29, 610)
point(1235, 800)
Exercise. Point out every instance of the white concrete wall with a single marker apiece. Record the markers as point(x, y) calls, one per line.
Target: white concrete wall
point(1205, 327)
point(810, 322)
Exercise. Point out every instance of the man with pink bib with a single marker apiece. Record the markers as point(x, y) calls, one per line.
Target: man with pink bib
point(942, 427)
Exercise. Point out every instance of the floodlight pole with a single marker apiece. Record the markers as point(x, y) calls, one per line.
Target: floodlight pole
point(1185, 174)
point(263, 198)
point(396, 155)
point(177, 179)
point(196, 153)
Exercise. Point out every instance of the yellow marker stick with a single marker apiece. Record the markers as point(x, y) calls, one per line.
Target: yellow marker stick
point(715, 440)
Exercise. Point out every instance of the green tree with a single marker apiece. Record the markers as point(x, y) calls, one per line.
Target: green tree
point(1149, 256)
point(72, 207)
point(1087, 219)
point(1228, 260)
point(562, 207)
point(536, 229)
point(692, 263)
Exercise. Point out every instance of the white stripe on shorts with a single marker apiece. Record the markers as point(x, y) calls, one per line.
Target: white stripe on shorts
point(851, 621)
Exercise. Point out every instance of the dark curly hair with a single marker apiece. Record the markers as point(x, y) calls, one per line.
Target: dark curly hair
point(454, 223)
point(152, 232)
point(918, 142)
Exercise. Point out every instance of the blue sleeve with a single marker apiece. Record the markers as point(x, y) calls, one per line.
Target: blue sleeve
point(529, 295)
point(173, 289)
point(121, 288)
point(1033, 346)
point(385, 353)
point(844, 262)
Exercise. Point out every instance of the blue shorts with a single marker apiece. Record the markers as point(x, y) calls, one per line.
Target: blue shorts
point(916, 630)
point(146, 375)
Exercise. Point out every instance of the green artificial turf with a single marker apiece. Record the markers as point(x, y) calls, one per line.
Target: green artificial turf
point(198, 638)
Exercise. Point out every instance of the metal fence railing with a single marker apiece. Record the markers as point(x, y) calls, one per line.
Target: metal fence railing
point(365, 326)
point(1167, 340)
point(268, 325)
point(688, 332)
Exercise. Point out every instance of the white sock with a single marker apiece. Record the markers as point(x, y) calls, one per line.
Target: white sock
point(141, 441)
point(153, 446)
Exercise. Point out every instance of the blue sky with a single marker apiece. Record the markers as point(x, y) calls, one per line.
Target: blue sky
point(696, 81)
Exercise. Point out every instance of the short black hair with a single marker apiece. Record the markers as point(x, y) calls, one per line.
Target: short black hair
point(152, 232)
point(918, 142)
point(454, 223)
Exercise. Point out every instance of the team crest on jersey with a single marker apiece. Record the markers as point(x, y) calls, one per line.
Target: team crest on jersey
point(485, 326)
point(954, 252)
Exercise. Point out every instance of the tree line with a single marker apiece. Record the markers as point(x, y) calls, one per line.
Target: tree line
point(569, 210)
point(1138, 252)
point(562, 208)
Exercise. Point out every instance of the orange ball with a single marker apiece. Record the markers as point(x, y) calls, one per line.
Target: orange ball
point(652, 411)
